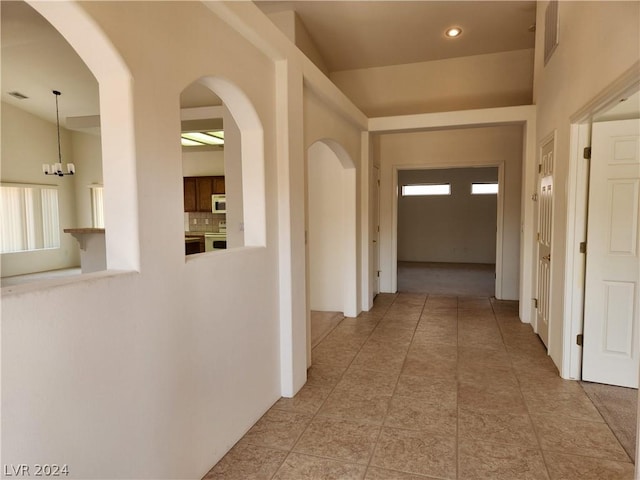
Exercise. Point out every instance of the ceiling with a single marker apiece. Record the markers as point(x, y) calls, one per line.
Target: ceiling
point(362, 34)
point(36, 59)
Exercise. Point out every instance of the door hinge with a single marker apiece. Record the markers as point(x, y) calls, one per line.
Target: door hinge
point(580, 339)
point(538, 236)
point(534, 197)
point(539, 168)
point(583, 247)
point(378, 227)
point(586, 154)
point(378, 273)
point(535, 303)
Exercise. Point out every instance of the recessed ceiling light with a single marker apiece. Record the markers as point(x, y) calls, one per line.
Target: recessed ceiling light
point(453, 32)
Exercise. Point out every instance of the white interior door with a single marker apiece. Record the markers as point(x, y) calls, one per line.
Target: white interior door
point(545, 222)
point(610, 353)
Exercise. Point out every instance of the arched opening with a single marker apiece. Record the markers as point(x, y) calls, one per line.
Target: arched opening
point(223, 168)
point(331, 226)
point(66, 52)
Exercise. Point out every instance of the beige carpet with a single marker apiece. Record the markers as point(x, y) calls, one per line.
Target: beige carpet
point(460, 279)
point(618, 406)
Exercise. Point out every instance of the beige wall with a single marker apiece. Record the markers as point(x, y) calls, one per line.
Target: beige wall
point(159, 370)
point(487, 146)
point(598, 43)
point(291, 25)
point(322, 124)
point(27, 143)
point(327, 225)
point(458, 228)
point(481, 81)
point(87, 153)
point(202, 163)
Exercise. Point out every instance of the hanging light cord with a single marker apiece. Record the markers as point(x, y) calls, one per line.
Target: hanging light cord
point(57, 93)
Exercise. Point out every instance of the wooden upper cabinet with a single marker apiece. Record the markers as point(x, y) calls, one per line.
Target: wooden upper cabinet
point(218, 185)
point(190, 195)
point(198, 191)
point(205, 190)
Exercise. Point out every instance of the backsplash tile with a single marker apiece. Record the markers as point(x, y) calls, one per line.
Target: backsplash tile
point(205, 221)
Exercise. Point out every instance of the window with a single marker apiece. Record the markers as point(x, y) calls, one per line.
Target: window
point(484, 188)
point(29, 218)
point(426, 189)
point(97, 206)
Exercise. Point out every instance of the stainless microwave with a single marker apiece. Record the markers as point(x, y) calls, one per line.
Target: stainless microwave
point(218, 204)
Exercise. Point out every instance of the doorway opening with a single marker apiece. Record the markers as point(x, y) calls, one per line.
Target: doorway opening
point(603, 269)
point(331, 237)
point(447, 231)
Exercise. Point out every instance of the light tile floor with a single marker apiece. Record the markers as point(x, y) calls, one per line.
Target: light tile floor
point(431, 387)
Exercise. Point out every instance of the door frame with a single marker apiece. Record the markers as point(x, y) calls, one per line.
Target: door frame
point(577, 215)
point(443, 166)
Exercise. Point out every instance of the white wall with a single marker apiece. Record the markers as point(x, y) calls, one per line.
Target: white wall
point(202, 163)
point(487, 146)
point(27, 143)
point(598, 43)
point(233, 182)
point(456, 228)
point(87, 155)
point(328, 219)
point(321, 123)
point(480, 81)
point(154, 373)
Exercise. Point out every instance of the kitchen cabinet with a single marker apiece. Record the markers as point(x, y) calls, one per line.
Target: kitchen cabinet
point(218, 185)
point(190, 194)
point(194, 243)
point(198, 191)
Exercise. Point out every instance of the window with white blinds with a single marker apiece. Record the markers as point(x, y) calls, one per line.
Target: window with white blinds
point(97, 206)
point(29, 218)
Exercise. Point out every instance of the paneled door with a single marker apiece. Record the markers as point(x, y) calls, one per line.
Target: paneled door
point(610, 353)
point(545, 222)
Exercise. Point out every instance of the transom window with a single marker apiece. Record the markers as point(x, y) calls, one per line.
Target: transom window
point(426, 189)
point(490, 188)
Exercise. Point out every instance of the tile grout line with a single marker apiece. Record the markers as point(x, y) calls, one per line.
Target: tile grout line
point(315, 414)
point(526, 405)
point(384, 419)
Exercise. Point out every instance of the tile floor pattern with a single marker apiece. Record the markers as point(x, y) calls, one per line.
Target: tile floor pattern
point(431, 387)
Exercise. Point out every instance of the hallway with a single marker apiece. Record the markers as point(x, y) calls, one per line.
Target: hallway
point(431, 387)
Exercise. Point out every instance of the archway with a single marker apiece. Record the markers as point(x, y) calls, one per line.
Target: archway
point(223, 165)
point(331, 227)
point(116, 124)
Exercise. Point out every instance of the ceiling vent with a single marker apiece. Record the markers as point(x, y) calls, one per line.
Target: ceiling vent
point(18, 95)
point(551, 25)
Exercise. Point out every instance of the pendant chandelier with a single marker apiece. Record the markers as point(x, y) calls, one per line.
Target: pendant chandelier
point(56, 168)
